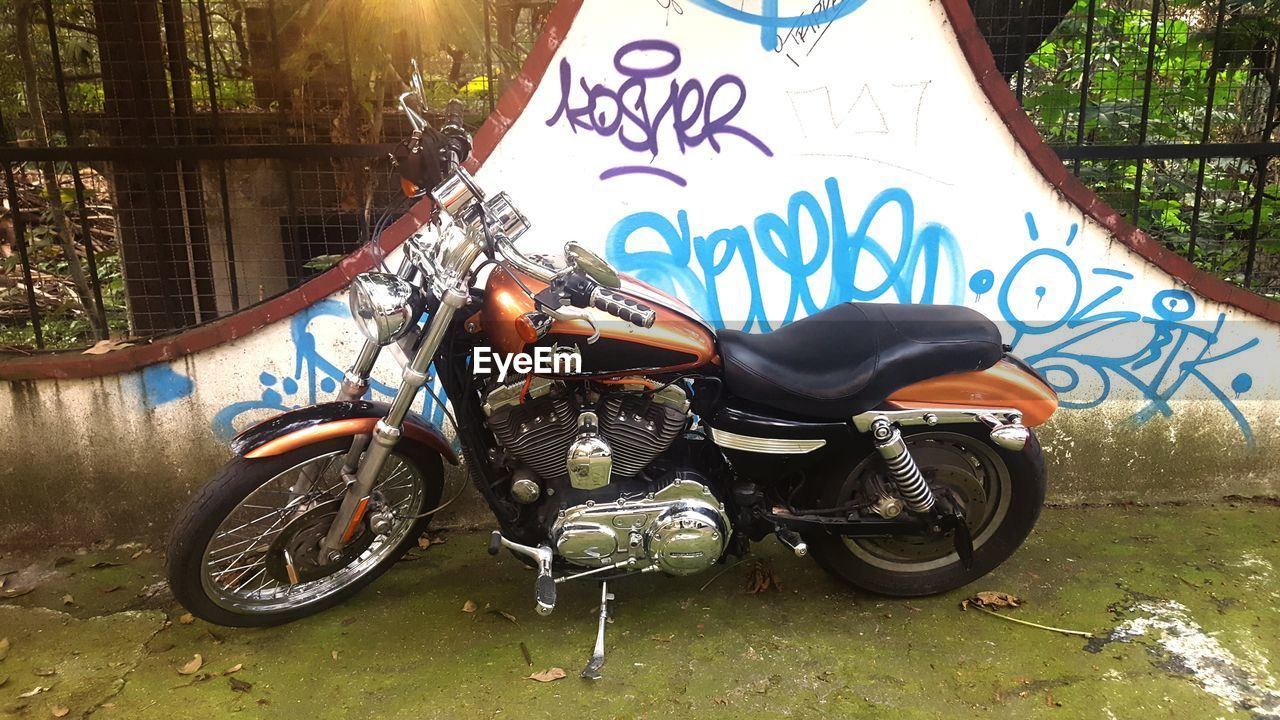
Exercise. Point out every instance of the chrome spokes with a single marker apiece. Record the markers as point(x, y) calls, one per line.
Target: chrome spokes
point(240, 570)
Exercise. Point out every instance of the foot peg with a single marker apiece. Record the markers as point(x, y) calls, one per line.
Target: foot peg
point(544, 588)
point(792, 539)
point(592, 670)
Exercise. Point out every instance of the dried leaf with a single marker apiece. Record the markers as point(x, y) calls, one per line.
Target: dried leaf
point(44, 672)
point(762, 578)
point(103, 564)
point(524, 650)
point(68, 600)
point(60, 711)
point(113, 588)
point(334, 654)
point(469, 606)
point(33, 692)
point(140, 553)
point(16, 592)
point(989, 599)
point(549, 675)
point(4, 648)
point(238, 685)
point(233, 669)
point(424, 542)
point(62, 560)
point(192, 667)
point(187, 618)
point(102, 347)
point(506, 615)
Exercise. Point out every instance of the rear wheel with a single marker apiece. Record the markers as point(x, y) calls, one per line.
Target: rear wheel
point(245, 552)
point(1001, 491)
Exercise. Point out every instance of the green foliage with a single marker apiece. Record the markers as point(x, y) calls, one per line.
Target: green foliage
point(1186, 75)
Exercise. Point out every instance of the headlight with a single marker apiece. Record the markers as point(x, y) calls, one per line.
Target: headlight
point(384, 306)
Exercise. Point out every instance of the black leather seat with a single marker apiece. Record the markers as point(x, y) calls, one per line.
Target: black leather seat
point(849, 358)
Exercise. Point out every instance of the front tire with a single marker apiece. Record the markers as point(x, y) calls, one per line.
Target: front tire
point(1000, 516)
point(226, 556)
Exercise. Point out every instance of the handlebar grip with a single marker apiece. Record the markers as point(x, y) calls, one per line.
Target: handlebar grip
point(623, 307)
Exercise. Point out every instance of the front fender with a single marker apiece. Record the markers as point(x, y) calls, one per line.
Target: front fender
point(326, 421)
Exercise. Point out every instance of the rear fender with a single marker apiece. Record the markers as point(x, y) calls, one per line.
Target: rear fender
point(1010, 383)
point(326, 421)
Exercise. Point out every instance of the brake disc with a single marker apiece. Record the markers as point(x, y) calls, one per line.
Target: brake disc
point(301, 540)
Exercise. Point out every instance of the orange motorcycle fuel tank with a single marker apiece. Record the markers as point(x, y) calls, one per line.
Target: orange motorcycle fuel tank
point(1010, 383)
point(678, 340)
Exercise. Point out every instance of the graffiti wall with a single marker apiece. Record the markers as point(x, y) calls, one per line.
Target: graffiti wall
point(763, 160)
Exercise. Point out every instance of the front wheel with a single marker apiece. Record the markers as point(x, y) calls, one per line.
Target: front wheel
point(1001, 490)
point(245, 552)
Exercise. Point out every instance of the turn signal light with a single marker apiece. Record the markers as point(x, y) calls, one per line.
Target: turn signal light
point(525, 328)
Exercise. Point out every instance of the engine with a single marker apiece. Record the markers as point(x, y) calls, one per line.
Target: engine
point(580, 452)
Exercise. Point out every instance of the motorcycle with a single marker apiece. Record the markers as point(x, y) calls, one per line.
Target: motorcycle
point(613, 432)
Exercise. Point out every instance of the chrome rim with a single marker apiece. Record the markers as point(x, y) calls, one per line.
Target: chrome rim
point(236, 572)
point(971, 469)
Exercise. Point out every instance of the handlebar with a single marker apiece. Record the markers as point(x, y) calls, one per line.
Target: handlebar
point(623, 307)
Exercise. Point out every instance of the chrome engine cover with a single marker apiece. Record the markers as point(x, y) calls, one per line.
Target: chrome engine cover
point(681, 529)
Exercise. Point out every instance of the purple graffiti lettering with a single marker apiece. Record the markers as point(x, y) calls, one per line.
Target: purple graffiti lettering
point(691, 112)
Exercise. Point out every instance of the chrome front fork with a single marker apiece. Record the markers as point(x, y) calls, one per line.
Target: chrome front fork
point(360, 475)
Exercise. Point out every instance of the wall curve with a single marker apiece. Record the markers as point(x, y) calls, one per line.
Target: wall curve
point(761, 166)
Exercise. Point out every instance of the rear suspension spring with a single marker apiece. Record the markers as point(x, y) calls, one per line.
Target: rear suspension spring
point(902, 467)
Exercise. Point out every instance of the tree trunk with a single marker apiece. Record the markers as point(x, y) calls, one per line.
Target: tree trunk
point(35, 110)
point(159, 272)
point(1015, 29)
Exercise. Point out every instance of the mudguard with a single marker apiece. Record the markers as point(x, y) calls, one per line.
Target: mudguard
point(326, 421)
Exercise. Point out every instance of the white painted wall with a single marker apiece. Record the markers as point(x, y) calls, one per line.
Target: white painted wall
point(876, 113)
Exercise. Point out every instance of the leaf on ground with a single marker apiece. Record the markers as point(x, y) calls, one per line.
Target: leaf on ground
point(469, 606)
point(334, 654)
point(102, 564)
point(524, 650)
point(424, 542)
point(33, 692)
point(233, 669)
point(68, 599)
point(505, 614)
point(4, 648)
point(991, 600)
point(186, 618)
point(16, 592)
point(44, 672)
point(113, 588)
point(548, 675)
point(761, 579)
point(140, 553)
point(193, 666)
point(63, 560)
point(60, 711)
point(238, 685)
point(102, 347)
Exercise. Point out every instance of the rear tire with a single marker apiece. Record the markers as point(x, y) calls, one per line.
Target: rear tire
point(234, 484)
point(894, 572)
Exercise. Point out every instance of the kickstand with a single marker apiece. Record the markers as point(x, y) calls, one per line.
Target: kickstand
point(592, 671)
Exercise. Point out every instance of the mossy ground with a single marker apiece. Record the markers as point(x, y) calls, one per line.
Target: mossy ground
point(404, 648)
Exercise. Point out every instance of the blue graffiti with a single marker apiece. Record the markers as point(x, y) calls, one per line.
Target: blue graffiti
point(912, 275)
point(771, 21)
point(315, 378)
point(1155, 353)
point(691, 111)
point(161, 385)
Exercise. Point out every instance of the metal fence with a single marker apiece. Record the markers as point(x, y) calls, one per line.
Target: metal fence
point(1166, 108)
point(167, 162)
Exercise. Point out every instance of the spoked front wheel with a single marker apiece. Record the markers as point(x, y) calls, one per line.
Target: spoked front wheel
point(1000, 490)
point(245, 552)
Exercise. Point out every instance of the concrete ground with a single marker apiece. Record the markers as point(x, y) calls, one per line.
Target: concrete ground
point(1185, 602)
